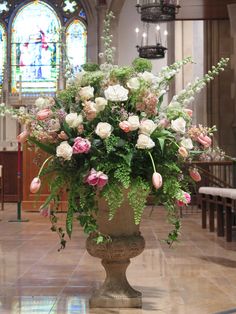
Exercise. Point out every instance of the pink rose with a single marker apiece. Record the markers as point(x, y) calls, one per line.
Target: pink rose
point(35, 185)
point(22, 137)
point(81, 145)
point(183, 152)
point(204, 140)
point(157, 180)
point(186, 199)
point(44, 114)
point(96, 178)
point(125, 126)
point(195, 175)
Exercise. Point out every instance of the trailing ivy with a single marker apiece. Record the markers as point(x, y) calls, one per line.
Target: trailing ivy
point(113, 194)
point(137, 196)
point(122, 174)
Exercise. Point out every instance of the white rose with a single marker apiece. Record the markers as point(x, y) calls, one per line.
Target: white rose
point(100, 103)
point(116, 93)
point(148, 77)
point(86, 92)
point(42, 103)
point(74, 120)
point(178, 125)
point(64, 150)
point(144, 142)
point(133, 83)
point(133, 123)
point(103, 130)
point(187, 143)
point(147, 127)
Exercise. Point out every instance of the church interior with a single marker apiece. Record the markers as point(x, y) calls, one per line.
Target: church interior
point(196, 275)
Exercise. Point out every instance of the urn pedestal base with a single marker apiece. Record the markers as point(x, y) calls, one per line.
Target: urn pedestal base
point(116, 291)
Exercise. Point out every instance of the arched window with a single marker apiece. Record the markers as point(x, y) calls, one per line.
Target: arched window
point(3, 42)
point(35, 48)
point(76, 43)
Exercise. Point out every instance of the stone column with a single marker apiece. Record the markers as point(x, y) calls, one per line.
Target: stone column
point(232, 17)
point(221, 106)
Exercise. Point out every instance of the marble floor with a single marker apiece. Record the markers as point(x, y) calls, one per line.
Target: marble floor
point(197, 276)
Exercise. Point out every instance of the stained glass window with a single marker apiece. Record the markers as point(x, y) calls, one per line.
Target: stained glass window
point(35, 49)
point(2, 52)
point(82, 14)
point(76, 41)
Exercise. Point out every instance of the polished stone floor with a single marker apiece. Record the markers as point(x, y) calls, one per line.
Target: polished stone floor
point(198, 276)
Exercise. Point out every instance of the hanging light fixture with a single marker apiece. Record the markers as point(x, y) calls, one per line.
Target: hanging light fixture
point(154, 11)
point(154, 51)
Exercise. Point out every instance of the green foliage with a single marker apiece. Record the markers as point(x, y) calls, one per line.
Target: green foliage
point(137, 196)
point(93, 78)
point(48, 148)
point(141, 65)
point(113, 194)
point(69, 220)
point(111, 143)
point(67, 96)
point(122, 174)
point(90, 67)
point(174, 220)
point(122, 74)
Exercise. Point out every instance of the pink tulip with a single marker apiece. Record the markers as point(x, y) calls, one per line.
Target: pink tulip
point(96, 178)
point(157, 180)
point(163, 123)
point(195, 175)
point(125, 126)
point(22, 137)
point(204, 140)
point(44, 114)
point(81, 145)
point(35, 185)
point(45, 212)
point(183, 152)
point(189, 112)
point(186, 199)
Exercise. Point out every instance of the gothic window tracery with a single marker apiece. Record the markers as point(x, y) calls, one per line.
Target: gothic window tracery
point(36, 46)
point(76, 43)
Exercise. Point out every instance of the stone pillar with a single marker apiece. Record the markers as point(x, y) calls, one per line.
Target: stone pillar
point(232, 17)
point(220, 103)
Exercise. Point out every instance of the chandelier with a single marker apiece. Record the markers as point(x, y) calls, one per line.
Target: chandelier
point(153, 51)
point(153, 11)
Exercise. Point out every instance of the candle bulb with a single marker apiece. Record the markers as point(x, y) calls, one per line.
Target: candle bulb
point(166, 34)
point(144, 39)
point(137, 34)
point(158, 39)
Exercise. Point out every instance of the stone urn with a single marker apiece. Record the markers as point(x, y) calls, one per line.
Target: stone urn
point(126, 243)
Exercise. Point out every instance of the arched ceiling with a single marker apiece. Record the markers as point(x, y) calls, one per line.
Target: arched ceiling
point(203, 9)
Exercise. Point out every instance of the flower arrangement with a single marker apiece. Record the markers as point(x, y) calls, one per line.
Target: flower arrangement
point(109, 131)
